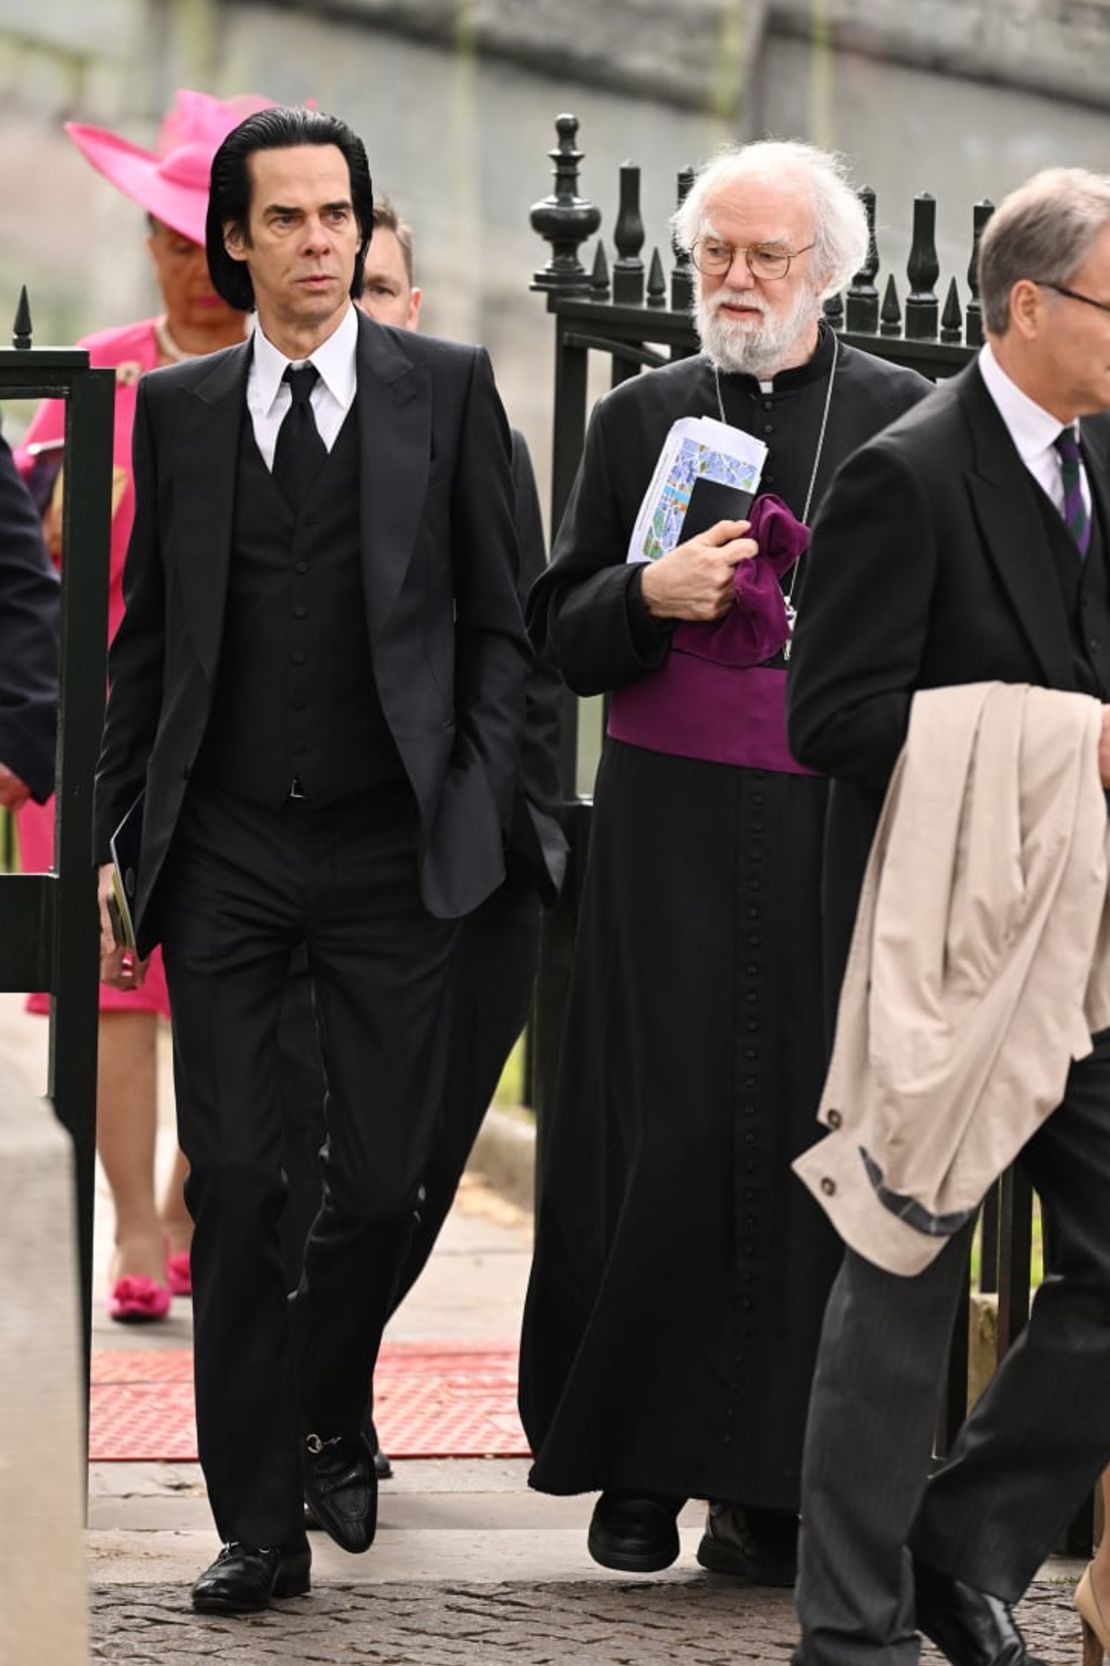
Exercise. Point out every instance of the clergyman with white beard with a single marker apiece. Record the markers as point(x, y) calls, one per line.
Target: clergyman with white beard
point(680, 1272)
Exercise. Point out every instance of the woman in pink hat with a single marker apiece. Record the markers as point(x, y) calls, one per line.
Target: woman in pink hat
point(152, 1244)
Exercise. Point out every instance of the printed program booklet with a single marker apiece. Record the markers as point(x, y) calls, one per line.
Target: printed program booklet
point(699, 452)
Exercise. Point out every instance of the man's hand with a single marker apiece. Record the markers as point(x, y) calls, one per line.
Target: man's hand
point(14, 793)
point(1104, 748)
point(118, 966)
point(694, 580)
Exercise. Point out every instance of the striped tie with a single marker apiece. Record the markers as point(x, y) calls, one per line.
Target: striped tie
point(1071, 475)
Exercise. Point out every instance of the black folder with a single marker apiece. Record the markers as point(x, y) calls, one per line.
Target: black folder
point(125, 844)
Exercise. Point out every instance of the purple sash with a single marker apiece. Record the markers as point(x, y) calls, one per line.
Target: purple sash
point(713, 698)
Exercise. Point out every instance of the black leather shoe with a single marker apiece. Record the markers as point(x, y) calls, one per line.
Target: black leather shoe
point(341, 1488)
point(634, 1533)
point(969, 1627)
point(244, 1581)
point(383, 1469)
point(733, 1544)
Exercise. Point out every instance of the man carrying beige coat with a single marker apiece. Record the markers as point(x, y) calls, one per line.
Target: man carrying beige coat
point(969, 542)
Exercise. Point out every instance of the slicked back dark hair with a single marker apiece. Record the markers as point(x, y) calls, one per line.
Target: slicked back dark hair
point(229, 199)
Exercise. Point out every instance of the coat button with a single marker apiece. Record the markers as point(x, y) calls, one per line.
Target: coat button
point(834, 1119)
point(828, 1186)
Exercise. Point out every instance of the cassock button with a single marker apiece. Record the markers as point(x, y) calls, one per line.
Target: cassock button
point(768, 427)
point(302, 567)
point(828, 1186)
point(300, 611)
point(1094, 644)
point(297, 656)
point(752, 997)
point(768, 405)
point(768, 479)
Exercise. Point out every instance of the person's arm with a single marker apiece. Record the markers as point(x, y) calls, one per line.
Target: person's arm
point(491, 649)
point(136, 656)
point(29, 623)
point(863, 616)
point(543, 693)
point(604, 620)
point(135, 677)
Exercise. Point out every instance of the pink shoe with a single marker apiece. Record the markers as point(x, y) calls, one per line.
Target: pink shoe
point(135, 1300)
point(179, 1274)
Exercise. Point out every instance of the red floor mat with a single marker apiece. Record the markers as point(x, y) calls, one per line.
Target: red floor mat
point(432, 1400)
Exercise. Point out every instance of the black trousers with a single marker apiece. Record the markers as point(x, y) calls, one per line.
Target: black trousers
point(494, 966)
point(1030, 1450)
point(245, 885)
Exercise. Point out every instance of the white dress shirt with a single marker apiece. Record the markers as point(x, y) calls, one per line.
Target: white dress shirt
point(268, 397)
point(1032, 429)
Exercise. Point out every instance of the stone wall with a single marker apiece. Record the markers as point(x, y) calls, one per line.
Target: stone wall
point(694, 53)
point(1052, 46)
point(700, 53)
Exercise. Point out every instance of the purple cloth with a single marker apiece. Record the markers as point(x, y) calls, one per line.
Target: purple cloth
point(713, 698)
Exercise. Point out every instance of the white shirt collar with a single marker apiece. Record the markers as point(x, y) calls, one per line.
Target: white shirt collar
point(334, 359)
point(1032, 429)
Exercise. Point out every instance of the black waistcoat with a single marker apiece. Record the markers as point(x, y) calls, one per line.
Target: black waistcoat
point(295, 695)
point(1085, 586)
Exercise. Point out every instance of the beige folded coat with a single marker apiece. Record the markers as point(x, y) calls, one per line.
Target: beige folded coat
point(979, 966)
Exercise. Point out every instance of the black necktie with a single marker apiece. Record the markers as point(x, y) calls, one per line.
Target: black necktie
point(299, 452)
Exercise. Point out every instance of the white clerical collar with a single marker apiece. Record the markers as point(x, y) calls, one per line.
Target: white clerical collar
point(1032, 429)
point(334, 359)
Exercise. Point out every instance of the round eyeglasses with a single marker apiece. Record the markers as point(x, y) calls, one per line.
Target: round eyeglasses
point(714, 258)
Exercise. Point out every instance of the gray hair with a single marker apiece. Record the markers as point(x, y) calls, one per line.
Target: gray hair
point(1042, 231)
point(840, 225)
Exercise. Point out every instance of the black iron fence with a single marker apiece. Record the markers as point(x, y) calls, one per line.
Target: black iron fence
point(638, 315)
point(49, 936)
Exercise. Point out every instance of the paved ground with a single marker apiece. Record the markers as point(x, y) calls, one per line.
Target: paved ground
point(469, 1567)
point(680, 1623)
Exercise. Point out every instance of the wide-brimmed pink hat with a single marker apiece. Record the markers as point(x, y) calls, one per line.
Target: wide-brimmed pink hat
point(170, 182)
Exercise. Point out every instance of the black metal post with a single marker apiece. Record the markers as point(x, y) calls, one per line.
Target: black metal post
point(923, 269)
point(980, 214)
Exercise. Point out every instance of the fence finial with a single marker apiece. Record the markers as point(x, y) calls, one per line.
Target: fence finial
point(21, 328)
point(565, 219)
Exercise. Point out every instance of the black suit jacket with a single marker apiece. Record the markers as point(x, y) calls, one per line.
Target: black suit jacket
point(536, 836)
point(440, 580)
point(930, 565)
point(29, 620)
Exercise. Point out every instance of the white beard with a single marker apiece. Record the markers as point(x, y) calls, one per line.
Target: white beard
point(752, 348)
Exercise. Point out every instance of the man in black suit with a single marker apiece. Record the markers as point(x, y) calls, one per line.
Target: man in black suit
point(498, 944)
point(319, 679)
point(29, 606)
point(969, 541)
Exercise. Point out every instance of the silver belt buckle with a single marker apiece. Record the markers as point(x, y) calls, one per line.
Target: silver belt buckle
point(295, 789)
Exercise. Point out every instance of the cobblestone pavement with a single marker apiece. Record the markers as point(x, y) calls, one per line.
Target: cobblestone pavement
point(702, 1623)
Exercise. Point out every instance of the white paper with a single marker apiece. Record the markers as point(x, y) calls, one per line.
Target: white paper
point(695, 447)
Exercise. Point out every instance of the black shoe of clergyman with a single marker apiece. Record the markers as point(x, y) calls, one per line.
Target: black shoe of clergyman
point(634, 1533)
point(733, 1545)
point(969, 1627)
point(244, 1581)
point(341, 1488)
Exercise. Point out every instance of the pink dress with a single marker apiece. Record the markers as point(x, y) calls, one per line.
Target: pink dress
point(130, 350)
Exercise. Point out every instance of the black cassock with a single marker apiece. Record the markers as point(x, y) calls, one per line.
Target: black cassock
point(680, 1270)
